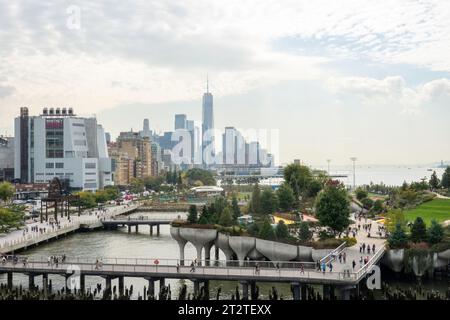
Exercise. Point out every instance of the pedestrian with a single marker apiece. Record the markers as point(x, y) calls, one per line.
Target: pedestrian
point(324, 267)
point(302, 269)
point(344, 257)
point(330, 265)
point(353, 264)
point(373, 248)
point(178, 267)
point(192, 267)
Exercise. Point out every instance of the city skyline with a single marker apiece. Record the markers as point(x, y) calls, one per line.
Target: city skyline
point(359, 79)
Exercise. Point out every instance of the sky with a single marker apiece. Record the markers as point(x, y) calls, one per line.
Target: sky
point(369, 79)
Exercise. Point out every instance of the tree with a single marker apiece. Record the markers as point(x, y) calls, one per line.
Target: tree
point(137, 185)
point(204, 176)
point(445, 182)
point(10, 218)
point(154, 182)
point(434, 181)
point(226, 218)
point(333, 208)
point(361, 193)
point(282, 231)
point(377, 206)
point(435, 232)
point(255, 204)
point(112, 192)
point(285, 197)
point(268, 201)
point(220, 203)
point(179, 181)
point(418, 230)
point(298, 177)
point(101, 196)
point(304, 234)
point(367, 203)
point(6, 191)
point(204, 216)
point(314, 187)
point(87, 199)
point(394, 218)
point(192, 214)
point(266, 232)
point(235, 208)
point(398, 238)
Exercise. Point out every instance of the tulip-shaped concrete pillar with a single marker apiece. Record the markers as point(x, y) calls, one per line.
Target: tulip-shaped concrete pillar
point(175, 233)
point(199, 238)
point(208, 247)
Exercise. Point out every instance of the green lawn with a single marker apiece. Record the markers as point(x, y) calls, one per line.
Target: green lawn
point(438, 209)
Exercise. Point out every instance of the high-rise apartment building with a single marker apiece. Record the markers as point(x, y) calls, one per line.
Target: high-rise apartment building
point(132, 156)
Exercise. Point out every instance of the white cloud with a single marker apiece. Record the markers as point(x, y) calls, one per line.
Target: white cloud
point(392, 91)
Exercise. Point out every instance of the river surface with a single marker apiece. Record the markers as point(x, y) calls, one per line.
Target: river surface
point(121, 244)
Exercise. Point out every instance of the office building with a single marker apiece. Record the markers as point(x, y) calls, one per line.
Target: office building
point(60, 144)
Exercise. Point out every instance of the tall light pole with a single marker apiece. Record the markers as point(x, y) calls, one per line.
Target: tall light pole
point(328, 161)
point(354, 171)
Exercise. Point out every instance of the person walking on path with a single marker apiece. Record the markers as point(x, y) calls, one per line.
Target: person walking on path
point(192, 267)
point(353, 264)
point(302, 269)
point(344, 257)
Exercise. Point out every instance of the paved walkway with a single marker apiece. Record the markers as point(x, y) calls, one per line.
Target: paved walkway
point(353, 253)
point(46, 229)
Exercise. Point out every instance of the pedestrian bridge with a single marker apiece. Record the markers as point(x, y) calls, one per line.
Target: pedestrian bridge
point(120, 221)
point(268, 271)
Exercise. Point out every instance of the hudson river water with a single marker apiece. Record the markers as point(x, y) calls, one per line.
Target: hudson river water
point(121, 244)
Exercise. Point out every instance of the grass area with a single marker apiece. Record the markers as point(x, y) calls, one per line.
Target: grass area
point(438, 209)
point(375, 196)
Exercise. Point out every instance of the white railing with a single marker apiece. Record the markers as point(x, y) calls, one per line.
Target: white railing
point(332, 255)
point(374, 259)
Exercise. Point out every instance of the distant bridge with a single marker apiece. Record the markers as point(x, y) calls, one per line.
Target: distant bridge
point(129, 222)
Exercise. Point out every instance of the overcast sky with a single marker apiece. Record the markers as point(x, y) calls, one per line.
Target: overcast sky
point(337, 78)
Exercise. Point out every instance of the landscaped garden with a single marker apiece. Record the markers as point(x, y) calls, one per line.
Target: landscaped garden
point(437, 209)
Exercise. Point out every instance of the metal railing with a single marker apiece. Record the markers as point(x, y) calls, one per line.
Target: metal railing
point(102, 266)
point(332, 255)
point(374, 259)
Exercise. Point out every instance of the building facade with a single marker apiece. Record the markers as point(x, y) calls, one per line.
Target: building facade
point(6, 158)
point(59, 144)
point(132, 157)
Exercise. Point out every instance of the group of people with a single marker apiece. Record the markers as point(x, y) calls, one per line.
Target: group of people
point(55, 260)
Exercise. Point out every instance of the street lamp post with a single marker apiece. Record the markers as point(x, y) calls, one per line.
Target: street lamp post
point(354, 171)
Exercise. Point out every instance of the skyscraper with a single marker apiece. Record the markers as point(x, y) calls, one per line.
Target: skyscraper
point(146, 132)
point(207, 120)
point(180, 121)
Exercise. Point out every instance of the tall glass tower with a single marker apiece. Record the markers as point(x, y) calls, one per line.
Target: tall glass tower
point(207, 119)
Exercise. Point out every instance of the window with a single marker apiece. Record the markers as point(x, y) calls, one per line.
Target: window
point(49, 165)
point(90, 173)
point(90, 165)
point(59, 165)
point(78, 124)
point(70, 154)
point(90, 185)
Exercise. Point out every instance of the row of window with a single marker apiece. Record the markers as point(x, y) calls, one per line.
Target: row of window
point(57, 165)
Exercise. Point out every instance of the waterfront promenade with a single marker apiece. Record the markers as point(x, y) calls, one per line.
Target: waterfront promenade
point(35, 232)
